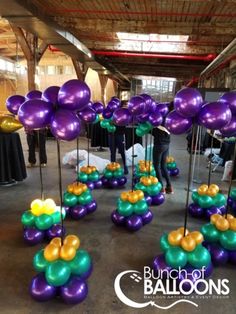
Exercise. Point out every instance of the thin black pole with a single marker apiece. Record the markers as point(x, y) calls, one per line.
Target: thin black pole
point(209, 172)
point(40, 168)
point(88, 149)
point(60, 185)
point(132, 168)
point(150, 154)
point(77, 157)
point(146, 142)
point(231, 179)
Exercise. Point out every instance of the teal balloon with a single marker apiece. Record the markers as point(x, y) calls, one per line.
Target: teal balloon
point(83, 177)
point(140, 186)
point(153, 189)
point(233, 194)
point(111, 128)
point(43, 222)
point(199, 257)
point(58, 273)
point(228, 240)
point(164, 244)
point(219, 200)
point(119, 173)
point(141, 207)
point(125, 209)
point(171, 165)
point(176, 257)
point(85, 198)
point(28, 218)
point(205, 201)
point(195, 196)
point(153, 173)
point(108, 174)
point(210, 233)
point(139, 132)
point(96, 120)
point(81, 263)
point(104, 124)
point(69, 199)
point(145, 127)
point(56, 217)
point(93, 176)
point(39, 262)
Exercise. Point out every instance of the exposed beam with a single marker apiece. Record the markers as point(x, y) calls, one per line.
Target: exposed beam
point(20, 37)
point(80, 69)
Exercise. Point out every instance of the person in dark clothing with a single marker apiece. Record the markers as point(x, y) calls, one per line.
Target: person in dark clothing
point(37, 139)
point(117, 140)
point(160, 153)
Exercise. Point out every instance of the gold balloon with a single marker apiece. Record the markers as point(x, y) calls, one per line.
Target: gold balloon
point(214, 218)
point(222, 224)
point(181, 231)
point(174, 238)
point(133, 198)
point(72, 240)
point(229, 217)
point(211, 192)
point(9, 124)
point(232, 224)
point(70, 188)
point(197, 236)
point(51, 252)
point(188, 243)
point(56, 241)
point(215, 186)
point(202, 189)
point(77, 190)
point(67, 252)
point(140, 194)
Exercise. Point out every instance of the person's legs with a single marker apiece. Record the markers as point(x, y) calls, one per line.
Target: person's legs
point(42, 147)
point(164, 170)
point(120, 143)
point(157, 154)
point(31, 144)
point(112, 146)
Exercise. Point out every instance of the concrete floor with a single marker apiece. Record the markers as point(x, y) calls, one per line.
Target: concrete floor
point(113, 250)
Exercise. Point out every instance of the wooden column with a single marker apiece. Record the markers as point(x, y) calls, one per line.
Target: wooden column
point(80, 69)
point(103, 82)
point(116, 87)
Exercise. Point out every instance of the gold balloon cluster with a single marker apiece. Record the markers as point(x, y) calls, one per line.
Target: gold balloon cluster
point(132, 196)
point(211, 190)
point(39, 207)
point(187, 242)
point(170, 159)
point(224, 223)
point(145, 165)
point(55, 250)
point(150, 180)
point(88, 169)
point(113, 166)
point(77, 188)
point(9, 124)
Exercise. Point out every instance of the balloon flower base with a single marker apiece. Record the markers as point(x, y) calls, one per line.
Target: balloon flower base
point(63, 270)
point(207, 201)
point(42, 221)
point(184, 260)
point(220, 239)
point(132, 211)
point(143, 169)
point(90, 176)
point(151, 189)
point(172, 166)
point(113, 176)
point(232, 200)
point(78, 198)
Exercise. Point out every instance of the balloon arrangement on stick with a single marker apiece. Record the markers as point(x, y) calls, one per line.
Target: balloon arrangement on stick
point(172, 166)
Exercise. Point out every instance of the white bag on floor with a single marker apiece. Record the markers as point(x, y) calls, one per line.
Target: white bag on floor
point(96, 161)
point(70, 158)
point(138, 150)
point(227, 171)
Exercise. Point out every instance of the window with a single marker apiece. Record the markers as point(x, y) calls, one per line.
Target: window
point(51, 70)
point(68, 69)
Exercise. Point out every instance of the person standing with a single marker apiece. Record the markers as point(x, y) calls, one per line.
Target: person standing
point(36, 139)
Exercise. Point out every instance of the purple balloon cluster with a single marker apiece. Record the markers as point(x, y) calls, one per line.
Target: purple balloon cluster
point(79, 211)
point(220, 255)
point(113, 182)
point(33, 236)
point(198, 212)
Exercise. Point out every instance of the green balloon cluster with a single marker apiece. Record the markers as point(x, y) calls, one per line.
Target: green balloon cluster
point(206, 201)
point(139, 173)
point(125, 208)
point(233, 194)
point(151, 190)
point(227, 238)
point(176, 256)
point(84, 177)
point(58, 272)
point(107, 124)
point(70, 199)
point(171, 165)
point(41, 222)
point(118, 173)
point(143, 128)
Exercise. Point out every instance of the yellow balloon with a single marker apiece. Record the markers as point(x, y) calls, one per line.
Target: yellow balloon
point(174, 238)
point(188, 243)
point(67, 252)
point(211, 192)
point(197, 236)
point(140, 194)
point(202, 189)
point(9, 124)
point(232, 224)
point(37, 207)
point(215, 186)
point(70, 188)
point(124, 196)
point(214, 218)
point(77, 190)
point(49, 206)
point(133, 198)
point(229, 217)
point(51, 252)
point(154, 180)
point(72, 240)
point(181, 231)
point(56, 241)
point(222, 224)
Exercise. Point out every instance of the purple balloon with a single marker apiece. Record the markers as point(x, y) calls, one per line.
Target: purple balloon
point(65, 125)
point(230, 129)
point(230, 98)
point(195, 210)
point(188, 102)
point(51, 94)
point(148, 199)
point(104, 181)
point(40, 290)
point(155, 119)
point(55, 231)
point(88, 115)
point(33, 94)
point(147, 217)
point(159, 264)
point(14, 102)
point(74, 95)
point(222, 209)
point(219, 255)
point(134, 223)
point(143, 117)
point(78, 211)
point(98, 184)
point(211, 211)
point(91, 207)
point(192, 275)
point(90, 185)
point(232, 257)
point(107, 113)
point(177, 124)
point(35, 113)
point(67, 209)
point(136, 105)
point(215, 115)
point(33, 236)
point(116, 100)
point(150, 104)
point(163, 109)
point(230, 201)
point(122, 181)
point(158, 199)
point(174, 172)
point(122, 117)
point(112, 105)
point(117, 219)
point(75, 291)
point(98, 107)
point(113, 183)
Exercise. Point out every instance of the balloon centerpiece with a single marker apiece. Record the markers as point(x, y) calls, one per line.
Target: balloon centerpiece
point(151, 189)
point(207, 201)
point(113, 176)
point(90, 176)
point(42, 221)
point(79, 200)
point(132, 211)
point(63, 269)
point(172, 166)
point(220, 238)
point(144, 168)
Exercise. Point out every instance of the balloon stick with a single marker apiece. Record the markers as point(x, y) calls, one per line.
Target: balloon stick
point(231, 179)
point(133, 156)
point(150, 154)
point(40, 168)
point(209, 172)
point(88, 149)
point(60, 184)
point(77, 157)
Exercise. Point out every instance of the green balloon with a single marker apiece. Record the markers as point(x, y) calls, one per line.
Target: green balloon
point(219, 200)
point(233, 194)
point(195, 196)
point(83, 177)
point(176, 257)
point(210, 233)
point(171, 165)
point(28, 218)
point(119, 173)
point(58, 273)
point(93, 176)
point(104, 124)
point(108, 174)
point(141, 207)
point(140, 186)
point(85, 198)
point(81, 263)
point(39, 262)
point(111, 128)
point(199, 257)
point(164, 243)
point(145, 127)
point(153, 172)
point(153, 189)
point(139, 132)
point(228, 240)
point(43, 222)
point(205, 201)
point(69, 199)
point(125, 209)
point(96, 120)
point(57, 217)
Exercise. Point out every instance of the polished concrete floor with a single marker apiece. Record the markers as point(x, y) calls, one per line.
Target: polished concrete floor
point(113, 250)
